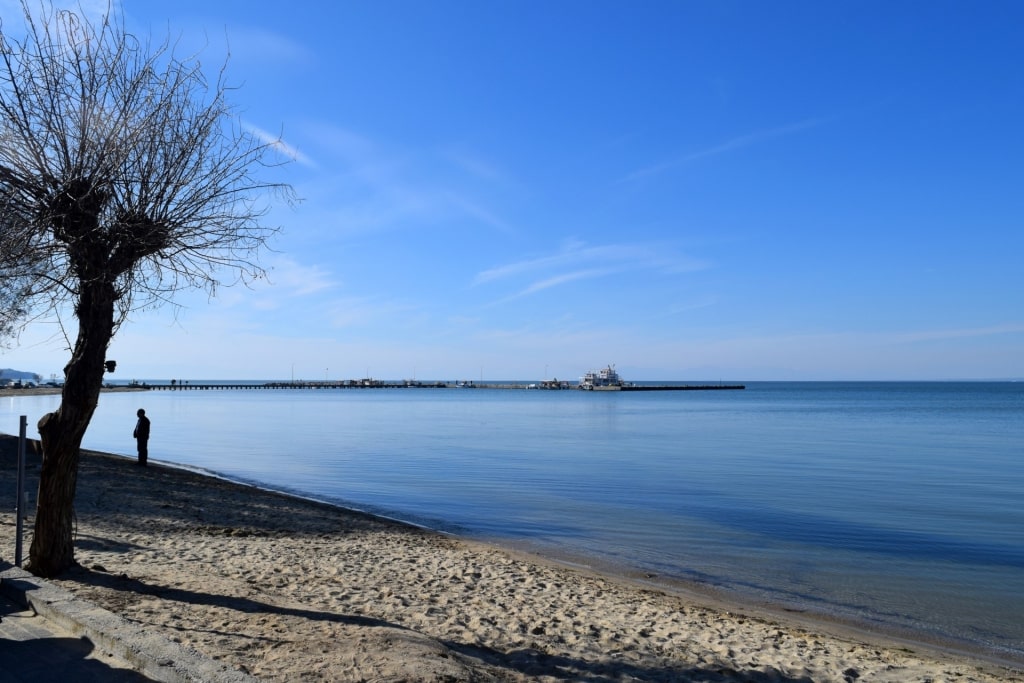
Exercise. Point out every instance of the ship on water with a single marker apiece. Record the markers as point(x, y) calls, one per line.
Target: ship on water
point(603, 380)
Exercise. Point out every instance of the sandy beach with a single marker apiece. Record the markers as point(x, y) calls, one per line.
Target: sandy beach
point(286, 589)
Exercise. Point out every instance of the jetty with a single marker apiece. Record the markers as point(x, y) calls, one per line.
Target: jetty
point(378, 384)
point(341, 384)
point(683, 387)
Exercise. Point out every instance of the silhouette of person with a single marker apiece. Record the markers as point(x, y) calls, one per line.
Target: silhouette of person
point(141, 435)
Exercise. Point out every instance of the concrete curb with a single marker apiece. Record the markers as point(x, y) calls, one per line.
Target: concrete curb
point(152, 655)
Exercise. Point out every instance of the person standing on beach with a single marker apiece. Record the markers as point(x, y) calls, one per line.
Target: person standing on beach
point(141, 435)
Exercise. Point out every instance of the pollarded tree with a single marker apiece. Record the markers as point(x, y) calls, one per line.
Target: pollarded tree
point(124, 178)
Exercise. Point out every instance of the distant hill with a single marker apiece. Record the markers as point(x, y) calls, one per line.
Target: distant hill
point(7, 373)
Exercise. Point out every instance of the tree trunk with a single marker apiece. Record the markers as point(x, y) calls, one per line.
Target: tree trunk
point(61, 432)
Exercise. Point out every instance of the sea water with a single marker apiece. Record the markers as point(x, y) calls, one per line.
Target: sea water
point(894, 505)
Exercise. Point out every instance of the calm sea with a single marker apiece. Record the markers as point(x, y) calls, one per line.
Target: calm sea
point(895, 505)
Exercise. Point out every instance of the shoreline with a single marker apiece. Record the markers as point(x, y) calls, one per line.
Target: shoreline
point(49, 391)
point(693, 590)
point(706, 594)
point(282, 586)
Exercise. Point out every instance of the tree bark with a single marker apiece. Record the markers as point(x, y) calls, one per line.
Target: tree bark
point(61, 432)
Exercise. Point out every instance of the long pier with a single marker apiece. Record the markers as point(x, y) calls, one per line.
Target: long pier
point(207, 386)
point(376, 384)
point(685, 387)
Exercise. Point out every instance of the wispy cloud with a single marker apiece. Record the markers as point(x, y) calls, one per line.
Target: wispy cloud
point(963, 333)
point(579, 261)
point(563, 279)
point(728, 146)
point(632, 256)
point(352, 312)
point(276, 142)
point(376, 186)
point(260, 45)
point(686, 307)
point(300, 279)
point(476, 166)
point(93, 9)
point(471, 208)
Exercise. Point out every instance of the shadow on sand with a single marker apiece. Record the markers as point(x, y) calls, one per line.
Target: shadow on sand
point(202, 504)
point(518, 663)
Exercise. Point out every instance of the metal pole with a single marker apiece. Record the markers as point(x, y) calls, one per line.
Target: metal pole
point(20, 508)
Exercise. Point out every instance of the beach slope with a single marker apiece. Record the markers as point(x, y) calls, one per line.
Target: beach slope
point(286, 589)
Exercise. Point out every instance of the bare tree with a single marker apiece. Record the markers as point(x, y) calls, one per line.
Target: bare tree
point(14, 292)
point(19, 271)
point(124, 178)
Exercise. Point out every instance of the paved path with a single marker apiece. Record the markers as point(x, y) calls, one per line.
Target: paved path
point(47, 634)
point(35, 650)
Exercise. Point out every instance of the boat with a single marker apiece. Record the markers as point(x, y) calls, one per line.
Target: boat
point(603, 380)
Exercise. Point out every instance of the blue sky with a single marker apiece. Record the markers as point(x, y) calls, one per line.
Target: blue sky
point(689, 190)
